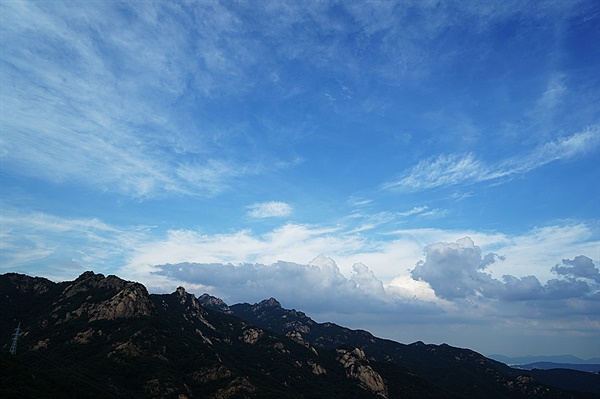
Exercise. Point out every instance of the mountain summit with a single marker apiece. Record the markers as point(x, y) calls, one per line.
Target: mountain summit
point(103, 337)
point(269, 303)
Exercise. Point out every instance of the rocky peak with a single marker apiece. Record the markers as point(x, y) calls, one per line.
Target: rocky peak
point(214, 303)
point(268, 303)
point(181, 292)
point(131, 301)
point(108, 298)
point(192, 307)
point(89, 281)
point(29, 285)
point(187, 299)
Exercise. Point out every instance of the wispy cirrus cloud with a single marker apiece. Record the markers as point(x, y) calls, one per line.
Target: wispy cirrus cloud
point(454, 169)
point(445, 170)
point(85, 102)
point(39, 243)
point(108, 96)
point(270, 209)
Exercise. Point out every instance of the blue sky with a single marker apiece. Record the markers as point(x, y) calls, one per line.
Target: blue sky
point(427, 171)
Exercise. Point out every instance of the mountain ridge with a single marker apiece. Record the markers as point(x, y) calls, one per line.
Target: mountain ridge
point(295, 322)
point(107, 337)
point(170, 347)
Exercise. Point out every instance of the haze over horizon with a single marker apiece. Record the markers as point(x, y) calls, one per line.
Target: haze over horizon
point(422, 170)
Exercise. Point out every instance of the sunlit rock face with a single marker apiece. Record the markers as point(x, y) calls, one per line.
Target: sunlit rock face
point(110, 298)
point(358, 368)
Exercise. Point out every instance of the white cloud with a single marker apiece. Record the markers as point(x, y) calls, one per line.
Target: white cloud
point(553, 95)
point(42, 244)
point(454, 270)
point(91, 96)
point(457, 270)
point(74, 109)
point(455, 169)
point(390, 259)
point(368, 277)
point(578, 144)
point(532, 252)
point(414, 211)
point(359, 202)
point(451, 280)
point(408, 288)
point(269, 209)
point(29, 239)
point(535, 251)
point(445, 170)
point(318, 286)
point(580, 267)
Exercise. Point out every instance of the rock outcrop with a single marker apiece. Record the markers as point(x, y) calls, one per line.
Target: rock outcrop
point(214, 303)
point(251, 335)
point(111, 298)
point(29, 285)
point(192, 307)
point(358, 368)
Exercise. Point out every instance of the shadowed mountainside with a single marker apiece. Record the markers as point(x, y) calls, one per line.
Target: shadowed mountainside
point(460, 371)
point(104, 337)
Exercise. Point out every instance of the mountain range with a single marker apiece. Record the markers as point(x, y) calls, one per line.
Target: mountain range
point(562, 359)
point(104, 337)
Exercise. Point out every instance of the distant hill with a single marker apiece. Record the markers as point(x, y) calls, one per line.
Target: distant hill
point(568, 379)
point(566, 359)
point(590, 368)
point(104, 337)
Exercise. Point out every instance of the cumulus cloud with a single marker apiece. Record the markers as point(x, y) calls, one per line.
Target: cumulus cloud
point(269, 209)
point(452, 282)
point(457, 270)
point(366, 281)
point(318, 286)
point(580, 267)
point(454, 277)
point(524, 288)
point(292, 242)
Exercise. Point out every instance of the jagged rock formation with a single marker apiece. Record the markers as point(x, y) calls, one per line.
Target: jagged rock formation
point(358, 368)
point(251, 335)
point(214, 303)
point(125, 299)
point(316, 369)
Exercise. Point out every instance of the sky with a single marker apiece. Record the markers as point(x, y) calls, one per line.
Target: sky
point(423, 170)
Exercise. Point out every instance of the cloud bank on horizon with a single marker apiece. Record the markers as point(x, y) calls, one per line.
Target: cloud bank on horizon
point(394, 166)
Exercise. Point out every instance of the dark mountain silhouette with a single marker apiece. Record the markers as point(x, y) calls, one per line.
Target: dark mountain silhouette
point(565, 359)
point(590, 368)
point(104, 337)
point(568, 379)
point(460, 371)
